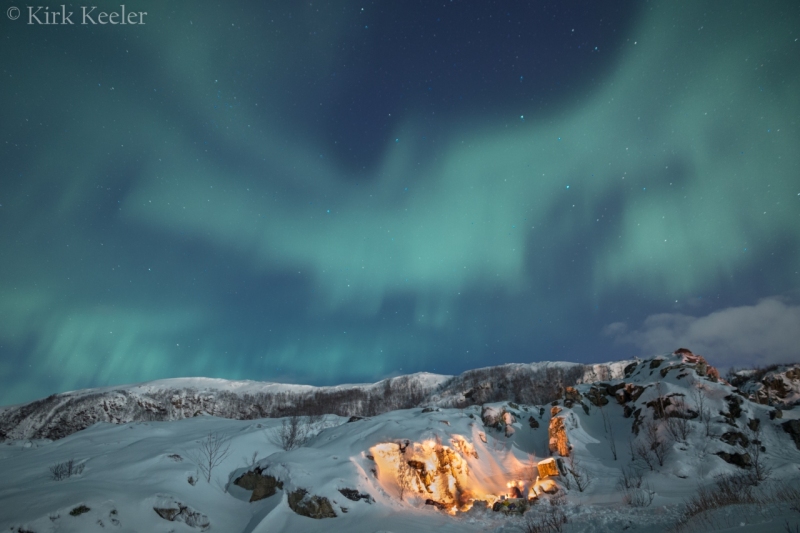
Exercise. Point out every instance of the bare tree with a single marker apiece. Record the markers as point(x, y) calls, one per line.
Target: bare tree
point(529, 469)
point(292, 433)
point(657, 444)
point(609, 429)
point(213, 450)
point(699, 397)
point(639, 496)
point(405, 474)
point(581, 476)
point(759, 471)
point(677, 420)
point(642, 451)
point(630, 478)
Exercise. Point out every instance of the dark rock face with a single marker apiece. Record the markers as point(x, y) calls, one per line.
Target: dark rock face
point(354, 495)
point(775, 413)
point(742, 460)
point(533, 423)
point(263, 486)
point(317, 507)
point(734, 437)
point(792, 427)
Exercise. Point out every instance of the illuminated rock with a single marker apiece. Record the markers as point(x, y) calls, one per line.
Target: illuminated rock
point(548, 467)
point(558, 436)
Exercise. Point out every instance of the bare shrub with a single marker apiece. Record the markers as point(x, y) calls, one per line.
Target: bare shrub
point(293, 432)
point(732, 489)
point(609, 429)
point(785, 492)
point(65, 470)
point(546, 518)
point(405, 474)
point(630, 478)
point(212, 451)
point(639, 496)
point(657, 444)
point(581, 476)
point(699, 397)
point(677, 422)
point(759, 471)
point(642, 451)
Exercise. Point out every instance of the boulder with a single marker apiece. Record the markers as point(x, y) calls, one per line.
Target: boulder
point(354, 495)
point(742, 460)
point(533, 423)
point(317, 507)
point(262, 485)
point(792, 427)
point(733, 438)
point(775, 413)
point(172, 510)
point(547, 467)
point(571, 393)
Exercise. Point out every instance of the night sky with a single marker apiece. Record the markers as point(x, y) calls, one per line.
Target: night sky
point(341, 192)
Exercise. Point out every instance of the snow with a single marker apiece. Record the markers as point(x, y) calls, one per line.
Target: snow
point(129, 469)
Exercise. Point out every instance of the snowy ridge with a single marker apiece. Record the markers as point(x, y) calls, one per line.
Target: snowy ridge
point(62, 414)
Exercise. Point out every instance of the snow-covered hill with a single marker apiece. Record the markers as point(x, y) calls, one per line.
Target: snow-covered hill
point(655, 445)
point(60, 415)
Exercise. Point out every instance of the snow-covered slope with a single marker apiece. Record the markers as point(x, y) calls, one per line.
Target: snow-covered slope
point(60, 415)
point(666, 424)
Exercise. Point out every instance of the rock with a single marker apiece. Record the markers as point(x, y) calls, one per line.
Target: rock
point(571, 393)
point(557, 433)
point(792, 427)
point(174, 511)
point(354, 495)
point(742, 460)
point(355, 419)
point(533, 423)
point(655, 363)
point(428, 410)
point(548, 486)
point(775, 413)
point(263, 486)
point(734, 437)
point(547, 467)
point(555, 410)
point(439, 505)
point(629, 369)
point(627, 411)
point(317, 507)
point(597, 396)
point(754, 424)
point(561, 466)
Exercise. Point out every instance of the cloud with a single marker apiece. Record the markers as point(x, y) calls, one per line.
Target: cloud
point(768, 332)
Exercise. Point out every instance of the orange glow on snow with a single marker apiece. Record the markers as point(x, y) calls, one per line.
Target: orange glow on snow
point(455, 473)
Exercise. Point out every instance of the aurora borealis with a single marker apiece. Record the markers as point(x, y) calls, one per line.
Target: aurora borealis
point(340, 192)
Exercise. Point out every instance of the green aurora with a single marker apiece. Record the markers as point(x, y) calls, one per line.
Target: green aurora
point(168, 207)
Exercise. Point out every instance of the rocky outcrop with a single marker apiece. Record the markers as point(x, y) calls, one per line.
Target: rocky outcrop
point(262, 485)
point(734, 438)
point(557, 432)
point(304, 504)
point(742, 460)
point(792, 427)
point(174, 511)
